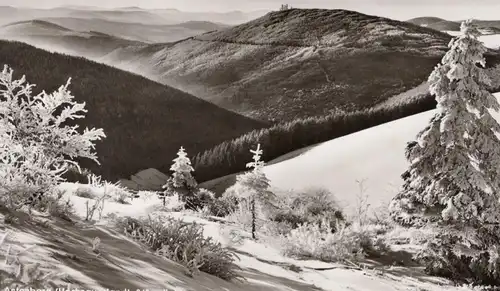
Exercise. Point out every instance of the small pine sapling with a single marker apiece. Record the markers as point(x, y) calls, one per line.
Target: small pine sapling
point(254, 187)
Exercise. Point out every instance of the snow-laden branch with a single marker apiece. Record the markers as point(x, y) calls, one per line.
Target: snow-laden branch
point(36, 143)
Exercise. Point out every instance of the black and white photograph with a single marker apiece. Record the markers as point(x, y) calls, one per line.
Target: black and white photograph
point(237, 145)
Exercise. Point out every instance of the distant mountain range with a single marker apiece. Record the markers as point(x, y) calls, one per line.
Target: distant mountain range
point(295, 63)
point(53, 37)
point(51, 26)
point(285, 65)
point(10, 14)
point(487, 26)
point(145, 122)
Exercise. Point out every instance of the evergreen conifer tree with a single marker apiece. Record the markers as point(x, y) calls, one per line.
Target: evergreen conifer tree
point(453, 181)
point(182, 181)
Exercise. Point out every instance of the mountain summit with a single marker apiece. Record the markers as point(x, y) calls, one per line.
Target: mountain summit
point(296, 63)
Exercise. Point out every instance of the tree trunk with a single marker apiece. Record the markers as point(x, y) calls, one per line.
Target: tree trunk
point(253, 218)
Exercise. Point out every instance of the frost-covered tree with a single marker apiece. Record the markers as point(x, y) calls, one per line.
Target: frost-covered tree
point(454, 175)
point(37, 145)
point(253, 186)
point(182, 181)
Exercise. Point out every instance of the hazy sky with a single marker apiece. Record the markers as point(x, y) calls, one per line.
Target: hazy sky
point(397, 9)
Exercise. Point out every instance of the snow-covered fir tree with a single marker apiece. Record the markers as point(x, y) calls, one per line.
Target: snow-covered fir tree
point(454, 175)
point(182, 169)
point(36, 145)
point(182, 181)
point(254, 186)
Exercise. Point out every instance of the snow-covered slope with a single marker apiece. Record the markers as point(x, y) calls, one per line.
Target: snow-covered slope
point(375, 154)
point(491, 41)
point(123, 263)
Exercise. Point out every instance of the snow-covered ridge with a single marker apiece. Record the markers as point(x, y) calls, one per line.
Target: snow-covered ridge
point(491, 41)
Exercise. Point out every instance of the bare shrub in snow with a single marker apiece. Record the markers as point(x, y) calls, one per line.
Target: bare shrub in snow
point(116, 192)
point(184, 243)
point(362, 206)
point(414, 236)
point(248, 218)
point(36, 144)
point(316, 241)
point(85, 192)
point(454, 178)
point(381, 216)
point(313, 205)
point(221, 207)
point(97, 187)
point(204, 196)
point(53, 203)
point(91, 206)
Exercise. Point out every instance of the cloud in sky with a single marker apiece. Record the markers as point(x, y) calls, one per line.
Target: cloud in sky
point(398, 9)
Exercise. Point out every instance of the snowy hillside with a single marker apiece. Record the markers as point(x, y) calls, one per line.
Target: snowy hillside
point(491, 41)
point(122, 263)
point(375, 154)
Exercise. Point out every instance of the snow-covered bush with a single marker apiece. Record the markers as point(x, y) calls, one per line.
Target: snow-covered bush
point(248, 218)
point(312, 205)
point(316, 241)
point(184, 243)
point(52, 202)
point(85, 192)
point(204, 198)
point(454, 176)
point(97, 188)
point(37, 146)
point(399, 235)
point(116, 192)
point(221, 207)
point(94, 206)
